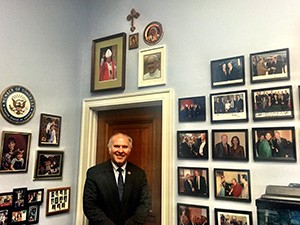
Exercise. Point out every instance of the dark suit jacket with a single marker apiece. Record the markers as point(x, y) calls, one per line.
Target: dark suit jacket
point(203, 188)
point(220, 152)
point(101, 203)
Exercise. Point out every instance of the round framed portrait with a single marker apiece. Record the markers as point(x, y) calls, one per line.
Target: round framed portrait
point(153, 33)
point(17, 104)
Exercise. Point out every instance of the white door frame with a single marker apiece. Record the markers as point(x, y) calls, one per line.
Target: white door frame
point(88, 142)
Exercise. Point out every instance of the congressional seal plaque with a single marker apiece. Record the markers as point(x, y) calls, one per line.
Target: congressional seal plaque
point(17, 104)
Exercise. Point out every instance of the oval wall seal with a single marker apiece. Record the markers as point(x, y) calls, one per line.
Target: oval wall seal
point(17, 104)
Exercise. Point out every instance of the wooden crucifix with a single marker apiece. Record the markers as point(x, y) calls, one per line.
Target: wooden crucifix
point(133, 15)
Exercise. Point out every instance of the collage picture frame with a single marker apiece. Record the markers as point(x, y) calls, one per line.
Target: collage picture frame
point(58, 200)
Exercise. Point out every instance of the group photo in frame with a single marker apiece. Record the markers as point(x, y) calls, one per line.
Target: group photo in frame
point(227, 72)
point(192, 109)
point(58, 200)
point(192, 144)
point(229, 107)
point(35, 196)
point(49, 165)
point(230, 144)
point(273, 103)
point(232, 185)
point(19, 216)
point(270, 66)
point(228, 216)
point(50, 130)
point(109, 63)
point(193, 181)
point(274, 144)
point(6, 200)
point(152, 66)
point(192, 214)
point(14, 152)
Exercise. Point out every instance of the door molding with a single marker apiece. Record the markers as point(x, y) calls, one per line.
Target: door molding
point(88, 142)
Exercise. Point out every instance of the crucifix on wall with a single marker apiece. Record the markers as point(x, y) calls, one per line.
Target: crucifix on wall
point(133, 15)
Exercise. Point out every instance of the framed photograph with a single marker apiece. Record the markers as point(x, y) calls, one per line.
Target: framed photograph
point(270, 66)
point(192, 214)
point(192, 144)
point(227, 216)
point(193, 181)
point(273, 103)
point(152, 66)
point(133, 41)
point(232, 185)
point(50, 129)
point(274, 144)
point(14, 152)
point(227, 72)
point(35, 196)
point(192, 109)
point(6, 200)
point(58, 200)
point(229, 107)
point(33, 214)
point(19, 198)
point(19, 216)
point(109, 63)
point(153, 33)
point(4, 216)
point(49, 165)
point(230, 145)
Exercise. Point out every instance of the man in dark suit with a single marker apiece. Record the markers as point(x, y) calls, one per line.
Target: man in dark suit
point(222, 149)
point(116, 192)
point(199, 183)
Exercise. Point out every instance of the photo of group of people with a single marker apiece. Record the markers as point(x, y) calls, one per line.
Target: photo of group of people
point(49, 130)
point(192, 215)
point(233, 217)
point(228, 104)
point(192, 109)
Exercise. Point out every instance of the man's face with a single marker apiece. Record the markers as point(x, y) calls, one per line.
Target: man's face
point(224, 139)
point(120, 150)
point(152, 64)
point(268, 136)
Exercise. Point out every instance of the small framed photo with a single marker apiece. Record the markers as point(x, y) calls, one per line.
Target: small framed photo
point(229, 107)
point(227, 216)
point(232, 185)
point(230, 145)
point(133, 41)
point(19, 216)
point(109, 63)
point(6, 200)
point(270, 66)
point(58, 200)
point(227, 72)
point(193, 182)
point(273, 103)
point(152, 66)
point(19, 198)
point(33, 214)
point(192, 144)
point(35, 196)
point(14, 152)
point(50, 130)
point(4, 216)
point(192, 109)
point(192, 214)
point(49, 165)
point(274, 144)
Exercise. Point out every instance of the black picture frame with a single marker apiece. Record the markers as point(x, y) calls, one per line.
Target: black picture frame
point(20, 198)
point(233, 216)
point(192, 214)
point(191, 188)
point(236, 150)
point(50, 130)
point(272, 103)
point(266, 146)
point(271, 65)
point(227, 72)
point(35, 196)
point(33, 214)
point(19, 216)
point(192, 109)
point(192, 144)
point(6, 200)
point(228, 184)
point(229, 107)
point(5, 215)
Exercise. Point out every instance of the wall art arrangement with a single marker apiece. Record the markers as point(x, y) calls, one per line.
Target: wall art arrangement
point(58, 200)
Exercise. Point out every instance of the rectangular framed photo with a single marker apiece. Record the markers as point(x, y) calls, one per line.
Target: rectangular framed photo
point(192, 214)
point(35, 196)
point(33, 214)
point(273, 103)
point(4, 216)
point(270, 66)
point(152, 66)
point(232, 185)
point(192, 109)
point(193, 181)
point(49, 165)
point(229, 107)
point(20, 198)
point(6, 200)
point(19, 216)
point(274, 144)
point(230, 144)
point(14, 152)
point(109, 63)
point(133, 41)
point(227, 216)
point(58, 200)
point(192, 144)
point(50, 130)
point(227, 72)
